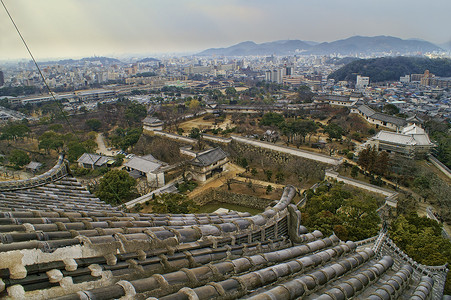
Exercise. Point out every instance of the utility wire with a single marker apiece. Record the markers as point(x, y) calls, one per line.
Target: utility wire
point(40, 72)
point(58, 104)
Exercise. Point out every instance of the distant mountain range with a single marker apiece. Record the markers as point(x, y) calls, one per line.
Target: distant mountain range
point(147, 59)
point(446, 46)
point(95, 59)
point(355, 45)
point(251, 48)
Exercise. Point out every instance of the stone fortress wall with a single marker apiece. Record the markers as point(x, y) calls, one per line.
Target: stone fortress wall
point(232, 198)
point(257, 143)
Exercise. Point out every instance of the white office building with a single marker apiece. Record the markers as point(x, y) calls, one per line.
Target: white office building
point(362, 82)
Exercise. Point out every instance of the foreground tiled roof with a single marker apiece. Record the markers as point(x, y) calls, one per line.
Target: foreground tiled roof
point(50, 252)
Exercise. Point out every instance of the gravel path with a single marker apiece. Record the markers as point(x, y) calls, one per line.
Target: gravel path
point(101, 146)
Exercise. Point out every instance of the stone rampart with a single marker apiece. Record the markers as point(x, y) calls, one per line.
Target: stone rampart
point(440, 165)
point(175, 137)
point(391, 197)
point(256, 143)
point(216, 139)
point(288, 150)
point(357, 183)
point(232, 198)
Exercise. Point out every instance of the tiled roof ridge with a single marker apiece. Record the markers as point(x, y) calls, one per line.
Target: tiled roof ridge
point(177, 236)
point(424, 268)
point(437, 273)
point(104, 255)
point(236, 265)
point(382, 241)
point(369, 112)
point(303, 284)
point(362, 279)
point(59, 171)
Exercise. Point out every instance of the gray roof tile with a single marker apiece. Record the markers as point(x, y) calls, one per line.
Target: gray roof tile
point(209, 157)
point(217, 255)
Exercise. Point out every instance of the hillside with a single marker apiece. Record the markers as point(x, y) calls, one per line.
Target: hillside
point(391, 68)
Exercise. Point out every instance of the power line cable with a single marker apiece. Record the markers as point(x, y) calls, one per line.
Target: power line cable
point(58, 104)
point(40, 72)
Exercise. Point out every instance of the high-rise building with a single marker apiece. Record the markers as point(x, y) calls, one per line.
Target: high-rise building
point(404, 79)
point(268, 75)
point(288, 71)
point(362, 82)
point(274, 75)
point(426, 78)
point(416, 77)
point(2, 79)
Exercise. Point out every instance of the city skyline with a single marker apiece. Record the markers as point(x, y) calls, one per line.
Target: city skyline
point(87, 28)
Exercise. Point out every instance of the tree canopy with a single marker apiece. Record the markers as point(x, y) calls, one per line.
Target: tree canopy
point(390, 109)
point(272, 119)
point(18, 90)
point(231, 91)
point(421, 239)
point(93, 124)
point(334, 131)
point(374, 161)
point(195, 133)
point(51, 140)
point(135, 112)
point(116, 187)
point(19, 158)
point(391, 68)
point(125, 138)
point(298, 127)
point(440, 133)
point(173, 204)
point(350, 215)
point(13, 131)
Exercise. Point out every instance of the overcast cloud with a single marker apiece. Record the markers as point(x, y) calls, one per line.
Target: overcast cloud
point(75, 28)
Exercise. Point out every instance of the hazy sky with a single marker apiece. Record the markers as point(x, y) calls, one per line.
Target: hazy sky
point(74, 28)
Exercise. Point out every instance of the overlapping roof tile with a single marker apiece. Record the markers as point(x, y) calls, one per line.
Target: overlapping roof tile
point(68, 245)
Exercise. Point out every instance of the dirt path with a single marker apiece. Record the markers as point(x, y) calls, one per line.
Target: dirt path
point(101, 146)
point(205, 124)
point(421, 210)
point(217, 180)
point(9, 175)
point(260, 182)
point(221, 179)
